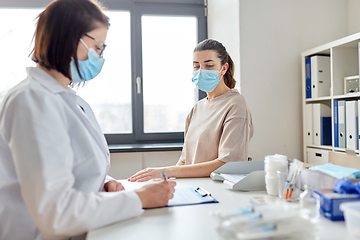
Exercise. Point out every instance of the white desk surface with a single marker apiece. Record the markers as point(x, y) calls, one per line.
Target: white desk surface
point(194, 222)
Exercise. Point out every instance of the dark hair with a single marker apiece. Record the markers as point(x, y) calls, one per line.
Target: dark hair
point(210, 44)
point(59, 29)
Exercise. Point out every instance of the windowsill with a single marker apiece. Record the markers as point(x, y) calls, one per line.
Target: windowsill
point(145, 147)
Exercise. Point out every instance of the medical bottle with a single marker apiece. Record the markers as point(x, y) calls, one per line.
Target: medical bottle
point(309, 204)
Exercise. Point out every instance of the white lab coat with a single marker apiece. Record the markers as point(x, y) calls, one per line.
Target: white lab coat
point(53, 162)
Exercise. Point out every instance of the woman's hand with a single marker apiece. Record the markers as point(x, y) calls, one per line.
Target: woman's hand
point(113, 186)
point(146, 174)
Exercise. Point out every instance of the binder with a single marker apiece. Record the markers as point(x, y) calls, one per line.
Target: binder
point(357, 127)
point(325, 131)
point(243, 176)
point(309, 124)
point(358, 124)
point(308, 77)
point(319, 110)
point(336, 125)
point(351, 125)
point(342, 123)
point(320, 76)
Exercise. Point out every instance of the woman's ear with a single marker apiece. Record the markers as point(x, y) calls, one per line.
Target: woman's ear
point(224, 69)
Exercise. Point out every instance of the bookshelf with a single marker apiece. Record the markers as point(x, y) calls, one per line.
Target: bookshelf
point(344, 63)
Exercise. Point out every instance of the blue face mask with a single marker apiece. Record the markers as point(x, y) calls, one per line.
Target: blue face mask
point(206, 80)
point(89, 68)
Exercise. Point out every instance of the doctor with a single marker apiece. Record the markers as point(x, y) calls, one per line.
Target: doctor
point(53, 156)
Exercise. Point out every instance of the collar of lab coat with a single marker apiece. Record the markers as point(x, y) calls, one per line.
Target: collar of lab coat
point(71, 99)
point(47, 80)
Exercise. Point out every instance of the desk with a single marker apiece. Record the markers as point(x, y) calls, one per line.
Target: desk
point(194, 222)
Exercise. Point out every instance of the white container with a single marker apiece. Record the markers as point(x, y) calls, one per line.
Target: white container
point(352, 217)
point(318, 156)
point(272, 164)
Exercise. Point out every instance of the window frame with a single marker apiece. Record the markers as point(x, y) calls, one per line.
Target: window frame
point(137, 8)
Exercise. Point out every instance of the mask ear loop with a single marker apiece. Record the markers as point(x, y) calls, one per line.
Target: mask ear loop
point(220, 71)
point(84, 44)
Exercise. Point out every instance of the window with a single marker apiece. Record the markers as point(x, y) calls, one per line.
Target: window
point(16, 31)
point(109, 94)
point(167, 44)
point(144, 91)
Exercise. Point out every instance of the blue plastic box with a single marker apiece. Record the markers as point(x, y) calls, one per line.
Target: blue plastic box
point(330, 203)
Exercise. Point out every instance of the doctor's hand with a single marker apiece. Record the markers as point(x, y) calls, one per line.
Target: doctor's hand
point(146, 174)
point(113, 186)
point(156, 194)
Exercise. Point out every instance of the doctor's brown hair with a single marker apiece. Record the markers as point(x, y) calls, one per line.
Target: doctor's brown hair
point(59, 29)
point(210, 44)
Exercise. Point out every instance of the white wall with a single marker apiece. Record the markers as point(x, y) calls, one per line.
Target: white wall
point(272, 36)
point(124, 165)
point(353, 16)
point(223, 25)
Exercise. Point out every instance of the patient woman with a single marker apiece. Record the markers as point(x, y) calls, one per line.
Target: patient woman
point(219, 127)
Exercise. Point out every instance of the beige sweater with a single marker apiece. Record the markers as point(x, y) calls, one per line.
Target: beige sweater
point(219, 128)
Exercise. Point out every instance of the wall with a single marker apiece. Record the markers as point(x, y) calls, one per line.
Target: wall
point(353, 16)
point(223, 25)
point(124, 165)
point(272, 36)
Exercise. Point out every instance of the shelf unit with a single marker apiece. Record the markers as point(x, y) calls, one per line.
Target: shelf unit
point(344, 62)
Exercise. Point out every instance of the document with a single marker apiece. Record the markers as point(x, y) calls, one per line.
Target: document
point(234, 178)
point(190, 196)
point(242, 176)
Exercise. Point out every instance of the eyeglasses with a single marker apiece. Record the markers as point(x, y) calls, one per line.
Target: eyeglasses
point(100, 42)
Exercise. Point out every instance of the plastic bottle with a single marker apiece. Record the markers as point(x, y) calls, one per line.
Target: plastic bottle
point(309, 204)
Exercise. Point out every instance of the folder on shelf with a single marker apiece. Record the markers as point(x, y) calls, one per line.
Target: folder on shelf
point(351, 124)
point(325, 131)
point(320, 76)
point(342, 123)
point(319, 110)
point(243, 176)
point(336, 125)
point(309, 124)
point(357, 125)
point(359, 61)
point(308, 77)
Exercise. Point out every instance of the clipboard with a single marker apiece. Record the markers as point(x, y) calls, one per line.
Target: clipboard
point(243, 176)
point(184, 196)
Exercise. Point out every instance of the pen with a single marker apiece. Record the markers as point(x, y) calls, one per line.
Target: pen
point(164, 175)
